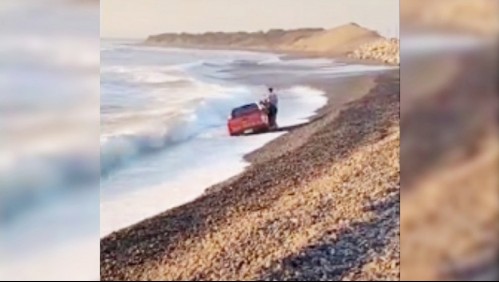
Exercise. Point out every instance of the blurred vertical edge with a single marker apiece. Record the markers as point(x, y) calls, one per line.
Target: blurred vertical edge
point(49, 140)
point(449, 147)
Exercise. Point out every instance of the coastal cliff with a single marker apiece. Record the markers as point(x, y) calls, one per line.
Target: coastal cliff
point(341, 41)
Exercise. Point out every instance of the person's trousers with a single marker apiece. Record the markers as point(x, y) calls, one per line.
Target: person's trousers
point(272, 115)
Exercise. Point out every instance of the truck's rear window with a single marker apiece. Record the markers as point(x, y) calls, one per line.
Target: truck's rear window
point(244, 110)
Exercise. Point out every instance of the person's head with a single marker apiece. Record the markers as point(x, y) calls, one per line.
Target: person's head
point(271, 89)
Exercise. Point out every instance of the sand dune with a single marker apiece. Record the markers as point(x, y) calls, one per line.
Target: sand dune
point(339, 40)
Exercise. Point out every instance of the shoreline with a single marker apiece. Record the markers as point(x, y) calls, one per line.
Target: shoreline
point(139, 251)
point(334, 105)
point(184, 190)
point(284, 54)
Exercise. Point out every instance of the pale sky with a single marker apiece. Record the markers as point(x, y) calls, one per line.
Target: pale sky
point(140, 18)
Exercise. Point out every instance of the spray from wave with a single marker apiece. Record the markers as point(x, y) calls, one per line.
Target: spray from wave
point(162, 130)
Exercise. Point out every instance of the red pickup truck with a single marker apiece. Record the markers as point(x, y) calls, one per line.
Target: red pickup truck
point(246, 119)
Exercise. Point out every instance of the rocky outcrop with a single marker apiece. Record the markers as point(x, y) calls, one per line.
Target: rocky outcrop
point(386, 51)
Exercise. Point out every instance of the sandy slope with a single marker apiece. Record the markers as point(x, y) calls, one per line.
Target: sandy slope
point(322, 202)
point(337, 41)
